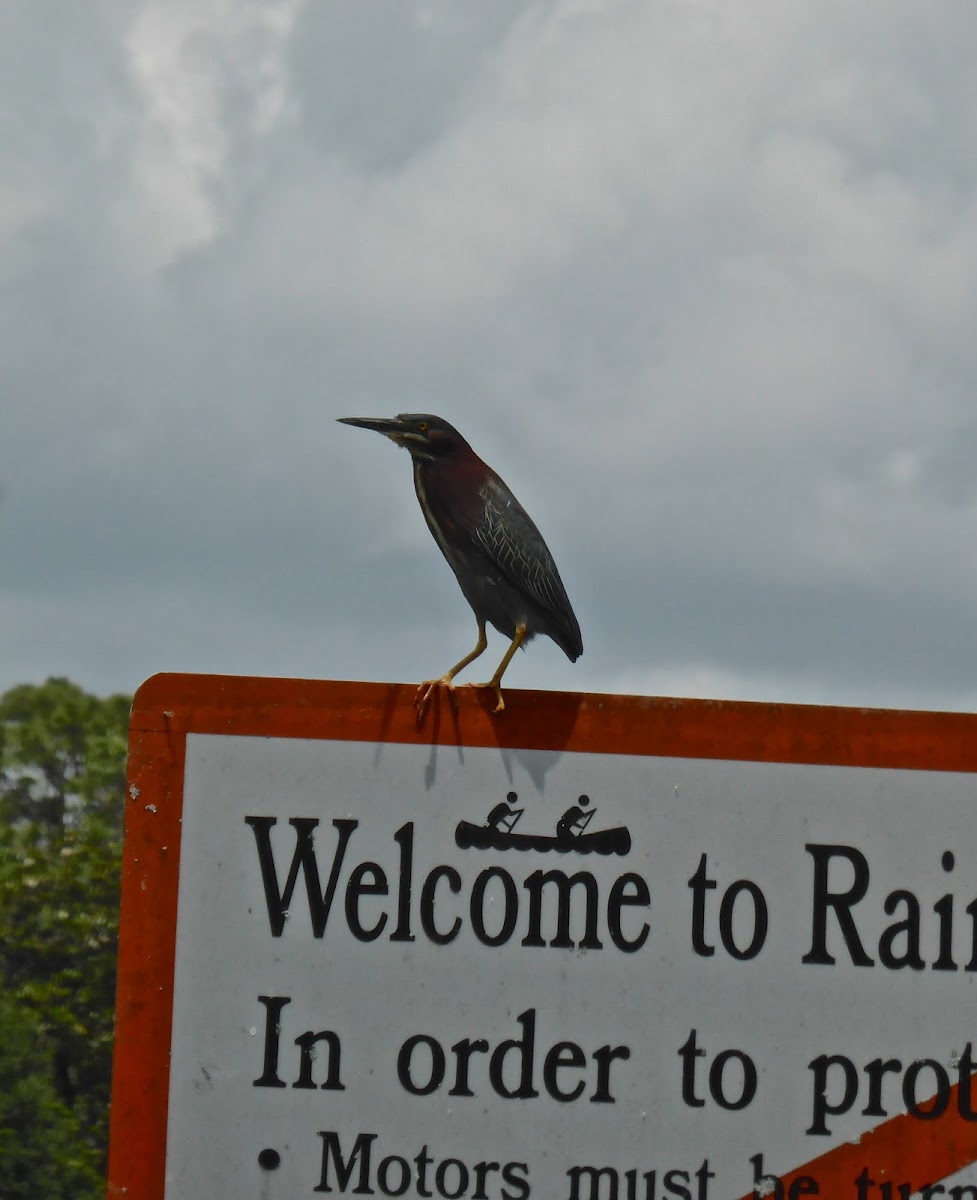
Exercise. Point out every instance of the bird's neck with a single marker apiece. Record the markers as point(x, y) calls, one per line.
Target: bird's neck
point(448, 487)
point(423, 472)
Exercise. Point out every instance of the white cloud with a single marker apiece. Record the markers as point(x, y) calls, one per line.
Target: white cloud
point(555, 151)
point(200, 66)
point(699, 279)
point(23, 201)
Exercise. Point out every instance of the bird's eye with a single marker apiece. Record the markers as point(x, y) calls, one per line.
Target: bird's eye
point(422, 426)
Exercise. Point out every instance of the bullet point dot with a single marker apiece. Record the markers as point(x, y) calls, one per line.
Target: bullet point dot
point(269, 1159)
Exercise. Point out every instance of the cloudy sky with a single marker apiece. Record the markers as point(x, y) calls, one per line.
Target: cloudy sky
point(698, 279)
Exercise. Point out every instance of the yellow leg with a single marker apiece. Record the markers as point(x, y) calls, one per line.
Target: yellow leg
point(495, 683)
point(425, 690)
point(469, 658)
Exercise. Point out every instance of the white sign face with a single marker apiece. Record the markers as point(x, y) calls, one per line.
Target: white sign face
point(491, 973)
point(600, 948)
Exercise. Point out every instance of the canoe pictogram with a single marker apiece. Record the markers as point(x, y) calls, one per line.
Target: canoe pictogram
point(571, 837)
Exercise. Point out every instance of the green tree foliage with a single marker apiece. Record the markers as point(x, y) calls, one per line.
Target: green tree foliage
point(62, 775)
point(62, 754)
point(43, 1151)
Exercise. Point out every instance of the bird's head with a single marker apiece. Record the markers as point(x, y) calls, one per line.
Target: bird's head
point(424, 436)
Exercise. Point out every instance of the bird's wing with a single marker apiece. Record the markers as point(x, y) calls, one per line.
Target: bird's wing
point(511, 540)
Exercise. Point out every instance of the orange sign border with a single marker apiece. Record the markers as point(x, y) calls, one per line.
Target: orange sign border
point(167, 707)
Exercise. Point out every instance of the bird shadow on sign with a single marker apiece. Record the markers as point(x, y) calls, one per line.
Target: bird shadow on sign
point(534, 762)
point(545, 722)
point(401, 698)
point(443, 701)
point(531, 733)
point(542, 721)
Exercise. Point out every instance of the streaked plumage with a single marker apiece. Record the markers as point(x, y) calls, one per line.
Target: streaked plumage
point(499, 557)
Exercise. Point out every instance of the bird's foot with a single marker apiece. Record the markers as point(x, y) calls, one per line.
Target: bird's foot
point(422, 697)
point(493, 684)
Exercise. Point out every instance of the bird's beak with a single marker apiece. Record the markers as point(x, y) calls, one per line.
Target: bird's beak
point(390, 427)
point(377, 424)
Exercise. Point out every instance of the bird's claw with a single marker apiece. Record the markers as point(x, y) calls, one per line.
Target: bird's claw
point(422, 697)
point(425, 690)
point(491, 683)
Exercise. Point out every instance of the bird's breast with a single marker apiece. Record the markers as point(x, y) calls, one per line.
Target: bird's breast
point(437, 508)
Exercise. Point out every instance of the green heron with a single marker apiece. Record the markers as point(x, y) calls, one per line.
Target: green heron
point(499, 558)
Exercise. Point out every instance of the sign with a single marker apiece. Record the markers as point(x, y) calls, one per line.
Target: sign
point(593, 948)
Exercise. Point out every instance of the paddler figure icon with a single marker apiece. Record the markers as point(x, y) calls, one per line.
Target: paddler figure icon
point(571, 836)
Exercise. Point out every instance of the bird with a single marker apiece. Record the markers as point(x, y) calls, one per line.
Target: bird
point(504, 568)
